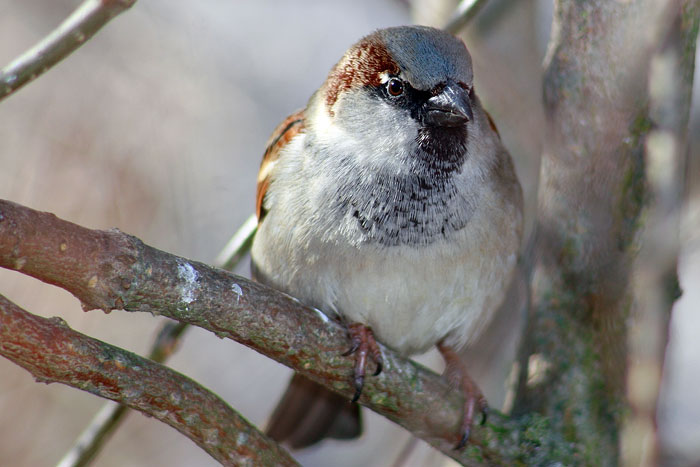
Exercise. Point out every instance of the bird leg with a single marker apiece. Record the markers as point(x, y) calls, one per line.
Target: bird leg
point(363, 344)
point(457, 374)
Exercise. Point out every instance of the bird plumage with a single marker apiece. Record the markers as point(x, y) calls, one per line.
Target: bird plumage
point(390, 200)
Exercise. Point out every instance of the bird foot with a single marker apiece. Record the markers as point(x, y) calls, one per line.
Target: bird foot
point(363, 345)
point(457, 374)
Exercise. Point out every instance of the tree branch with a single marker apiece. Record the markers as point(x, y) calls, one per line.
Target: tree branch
point(111, 270)
point(80, 26)
point(52, 352)
point(466, 10)
point(108, 418)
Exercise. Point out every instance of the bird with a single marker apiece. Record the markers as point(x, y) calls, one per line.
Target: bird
point(389, 203)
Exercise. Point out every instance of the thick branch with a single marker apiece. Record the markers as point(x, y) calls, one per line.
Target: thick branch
point(111, 270)
point(52, 352)
point(80, 26)
point(93, 437)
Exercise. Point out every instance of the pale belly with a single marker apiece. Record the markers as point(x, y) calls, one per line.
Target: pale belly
point(411, 297)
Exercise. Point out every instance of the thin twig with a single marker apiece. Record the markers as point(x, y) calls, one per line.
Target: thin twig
point(655, 285)
point(94, 436)
point(80, 26)
point(237, 247)
point(465, 11)
point(109, 417)
point(52, 352)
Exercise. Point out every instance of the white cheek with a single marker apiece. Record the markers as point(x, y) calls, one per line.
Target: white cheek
point(321, 124)
point(370, 130)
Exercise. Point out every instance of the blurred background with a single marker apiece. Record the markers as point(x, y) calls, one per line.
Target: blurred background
point(157, 126)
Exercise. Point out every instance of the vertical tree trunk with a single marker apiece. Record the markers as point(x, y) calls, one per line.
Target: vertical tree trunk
point(592, 193)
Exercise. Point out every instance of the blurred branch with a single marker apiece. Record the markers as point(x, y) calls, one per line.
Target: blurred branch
point(466, 10)
point(111, 270)
point(93, 437)
point(108, 418)
point(655, 286)
point(238, 245)
point(80, 26)
point(52, 352)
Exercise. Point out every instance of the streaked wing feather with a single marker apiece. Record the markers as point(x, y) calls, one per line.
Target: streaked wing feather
point(283, 134)
point(492, 124)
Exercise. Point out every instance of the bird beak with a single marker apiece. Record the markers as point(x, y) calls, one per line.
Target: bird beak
point(449, 108)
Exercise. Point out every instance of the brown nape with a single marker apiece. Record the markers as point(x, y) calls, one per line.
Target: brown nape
point(361, 66)
point(308, 413)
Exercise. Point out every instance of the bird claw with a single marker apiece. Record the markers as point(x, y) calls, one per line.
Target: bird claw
point(473, 398)
point(463, 440)
point(363, 344)
point(457, 374)
point(378, 362)
point(359, 383)
point(484, 412)
point(352, 349)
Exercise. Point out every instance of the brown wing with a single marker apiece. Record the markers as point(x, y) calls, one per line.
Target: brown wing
point(492, 124)
point(282, 135)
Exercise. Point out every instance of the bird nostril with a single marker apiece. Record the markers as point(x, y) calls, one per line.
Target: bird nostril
point(438, 89)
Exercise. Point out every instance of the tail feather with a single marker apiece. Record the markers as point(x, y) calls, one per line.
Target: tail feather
point(308, 413)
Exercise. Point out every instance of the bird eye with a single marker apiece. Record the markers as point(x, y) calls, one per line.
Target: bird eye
point(395, 87)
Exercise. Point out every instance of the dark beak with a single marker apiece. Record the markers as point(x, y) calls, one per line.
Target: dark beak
point(449, 108)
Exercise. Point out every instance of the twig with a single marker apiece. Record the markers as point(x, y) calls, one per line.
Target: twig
point(237, 247)
point(108, 418)
point(655, 278)
point(466, 10)
point(52, 352)
point(80, 26)
point(93, 437)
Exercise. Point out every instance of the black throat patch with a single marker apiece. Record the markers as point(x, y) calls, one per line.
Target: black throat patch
point(443, 149)
point(416, 209)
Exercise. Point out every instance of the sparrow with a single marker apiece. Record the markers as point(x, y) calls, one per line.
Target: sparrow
point(390, 204)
